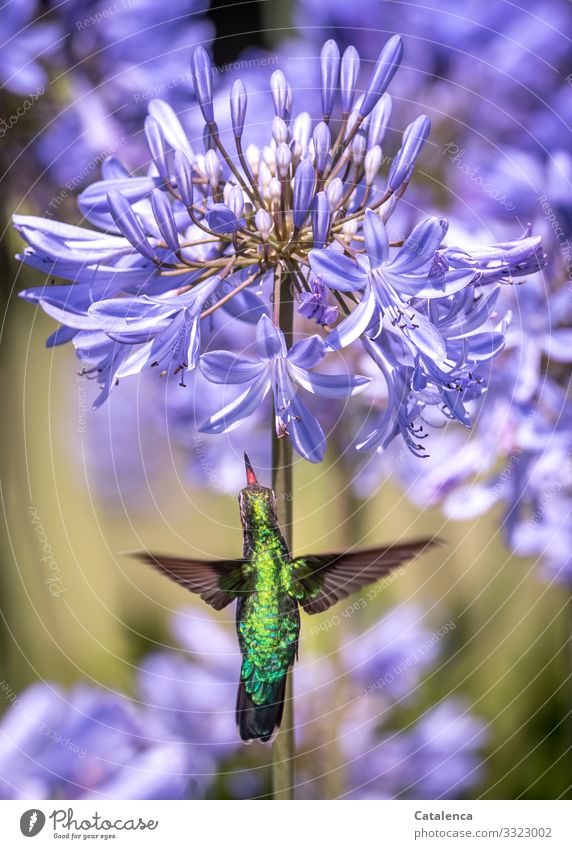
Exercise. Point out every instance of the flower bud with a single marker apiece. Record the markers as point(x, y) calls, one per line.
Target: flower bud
point(303, 192)
point(322, 143)
point(279, 89)
point(321, 217)
point(301, 131)
point(238, 101)
point(264, 223)
point(128, 224)
point(269, 158)
point(165, 220)
point(335, 193)
point(329, 72)
point(253, 158)
point(283, 159)
point(213, 168)
point(414, 138)
point(348, 77)
point(279, 130)
point(235, 201)
point(378, 120)
point(202, 77)
point(358, 148)
point(275, 190)
point(350, 228)
point(184, 177)
point(372, 164)
point(385, 67)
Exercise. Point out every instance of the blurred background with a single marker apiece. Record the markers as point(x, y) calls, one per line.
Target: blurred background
point(456, 679)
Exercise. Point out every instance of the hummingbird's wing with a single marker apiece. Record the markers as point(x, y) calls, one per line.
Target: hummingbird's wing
point(218, 582)
point(320, 580)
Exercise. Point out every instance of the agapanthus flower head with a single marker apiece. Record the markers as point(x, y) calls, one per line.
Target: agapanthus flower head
point(248, 232)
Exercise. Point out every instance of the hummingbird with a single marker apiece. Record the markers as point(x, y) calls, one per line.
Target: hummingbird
point(270, 586)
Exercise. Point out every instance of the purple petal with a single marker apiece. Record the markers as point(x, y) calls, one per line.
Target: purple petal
point(337, 271)
point(225, 367)
point(420, 246)
point(307, 353)
point(454, 401)
point(329, 385)
point(131, 315)
point(93, 199)
point(484, 346)
point(135, 362)
point(222, 219)
point(128, 224)
point(170, 125)
point(160, 151)
point(430, 285)
point(163, 214)
point(240, 409)
point(246, 306)
point(270, 342)
point(558, 345)
point(77, 320)
point(354, 325)
point(305, 432)
point(423, 334)
point(376, 240)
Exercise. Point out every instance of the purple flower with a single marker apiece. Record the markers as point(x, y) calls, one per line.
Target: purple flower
point(314, 304)
point(439, 758)
point(166, 330)
point(537, 333)
point(284, 372)
point(25, 43)
point(212, 233)
point(377, 674)
point(389, 283)
point(86, 744)
point(390, 657)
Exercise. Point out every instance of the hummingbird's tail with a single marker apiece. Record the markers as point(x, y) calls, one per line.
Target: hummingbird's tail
point(259, 722)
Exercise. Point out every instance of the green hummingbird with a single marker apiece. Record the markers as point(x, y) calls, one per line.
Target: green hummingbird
point(270, 586)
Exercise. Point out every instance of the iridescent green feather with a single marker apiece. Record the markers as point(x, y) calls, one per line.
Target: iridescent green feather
point(268, 618)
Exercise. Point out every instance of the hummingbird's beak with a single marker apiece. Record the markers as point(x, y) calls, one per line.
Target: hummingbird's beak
point(250, 476)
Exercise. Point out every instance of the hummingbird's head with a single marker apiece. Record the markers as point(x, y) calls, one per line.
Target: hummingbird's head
point(257, 502)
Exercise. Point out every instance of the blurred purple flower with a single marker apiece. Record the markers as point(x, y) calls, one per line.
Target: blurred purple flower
point(85, 744)
point(27, 40)
point(438, 758)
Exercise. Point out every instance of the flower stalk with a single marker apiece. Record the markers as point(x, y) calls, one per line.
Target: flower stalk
point(283, 753)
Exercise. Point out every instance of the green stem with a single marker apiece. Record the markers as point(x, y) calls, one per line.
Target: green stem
point(283, 746)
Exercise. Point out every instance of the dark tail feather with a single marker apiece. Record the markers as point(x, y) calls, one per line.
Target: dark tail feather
point(258, 722)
